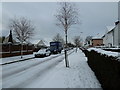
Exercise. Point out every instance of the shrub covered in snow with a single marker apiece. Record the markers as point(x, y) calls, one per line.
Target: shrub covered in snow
point(105, 66)
point(103, 52)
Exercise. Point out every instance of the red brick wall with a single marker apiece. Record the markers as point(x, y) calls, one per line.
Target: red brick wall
point(97, 42)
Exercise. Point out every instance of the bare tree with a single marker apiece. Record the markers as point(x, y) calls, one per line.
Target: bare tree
point(67, 16)
point(58, 38)
point(88, 38)
point(77, 42)
point(23, 29)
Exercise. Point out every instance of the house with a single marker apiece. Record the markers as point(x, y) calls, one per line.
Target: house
point(112, 36)
point(108, 37)
point(96, 41)
point(41, 44)
point(9, 39)
point(116, 34)
point(6, 40)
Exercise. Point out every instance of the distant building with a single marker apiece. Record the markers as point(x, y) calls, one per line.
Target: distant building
point(108, 37)
point(112, 37)
point(96, 41)
point(6, 40)
point(41, 44)
point(116, 34)
point(9, 39)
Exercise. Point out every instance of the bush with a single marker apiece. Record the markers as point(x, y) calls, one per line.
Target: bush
point(107, 69)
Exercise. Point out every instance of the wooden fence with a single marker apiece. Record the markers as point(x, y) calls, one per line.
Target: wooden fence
point(8, 50)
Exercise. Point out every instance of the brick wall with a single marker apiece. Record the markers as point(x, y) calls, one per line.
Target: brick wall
point(97, 42)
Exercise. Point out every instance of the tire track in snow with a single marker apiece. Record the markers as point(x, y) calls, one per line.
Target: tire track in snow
point(33, 77)
point(4, 75)
point(42, 72)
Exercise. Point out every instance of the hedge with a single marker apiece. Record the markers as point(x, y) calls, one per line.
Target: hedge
point(106, 68)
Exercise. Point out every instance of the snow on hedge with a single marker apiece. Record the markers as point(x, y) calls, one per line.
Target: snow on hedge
point(108, 53)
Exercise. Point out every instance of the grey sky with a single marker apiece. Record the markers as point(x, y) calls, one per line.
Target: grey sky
point(94, 17)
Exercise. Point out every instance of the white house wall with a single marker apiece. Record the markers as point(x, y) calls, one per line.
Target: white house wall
point(119, 24)
point(108, 39)
point(116, 36)
point(119, 34)
point(112, 37)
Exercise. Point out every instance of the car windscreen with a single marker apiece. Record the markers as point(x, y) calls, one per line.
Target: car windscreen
point(42, 51)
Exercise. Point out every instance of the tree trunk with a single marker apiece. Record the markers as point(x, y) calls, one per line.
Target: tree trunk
point(66, 56)
point(76, 49)
point(21, 50)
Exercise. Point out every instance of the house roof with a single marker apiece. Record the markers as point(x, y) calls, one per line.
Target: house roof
point(110, 28)
point(41, 42)
point(96, 38)
point(7, 39)
point(103, 36)
point(117, 22)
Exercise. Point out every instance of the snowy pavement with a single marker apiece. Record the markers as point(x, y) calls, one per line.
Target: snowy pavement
point(50, 72)
point(15, 58)
point(79, 75)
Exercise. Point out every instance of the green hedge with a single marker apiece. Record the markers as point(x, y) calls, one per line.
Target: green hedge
point(107, 69)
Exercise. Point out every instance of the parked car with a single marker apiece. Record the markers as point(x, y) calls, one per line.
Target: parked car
point(43, 53)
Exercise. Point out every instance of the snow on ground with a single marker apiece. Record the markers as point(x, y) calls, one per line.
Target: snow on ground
point(79, 75)
point(50, 72)
point(20, 74)
point(112, 48)
point(109, 53)
point(15, 58)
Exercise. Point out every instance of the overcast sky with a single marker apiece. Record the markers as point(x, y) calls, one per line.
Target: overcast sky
point(94, 17)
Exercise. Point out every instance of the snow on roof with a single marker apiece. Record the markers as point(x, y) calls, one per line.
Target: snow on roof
point(41, 42)
point(96, 38)
point(110, 28)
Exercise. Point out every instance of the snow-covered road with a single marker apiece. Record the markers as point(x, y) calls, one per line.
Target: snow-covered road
point(50, 72)
point(21, 74)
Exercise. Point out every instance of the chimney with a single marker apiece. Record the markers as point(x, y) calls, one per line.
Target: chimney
point(116, 22)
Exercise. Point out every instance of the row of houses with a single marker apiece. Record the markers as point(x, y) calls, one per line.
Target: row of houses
point(111, 38)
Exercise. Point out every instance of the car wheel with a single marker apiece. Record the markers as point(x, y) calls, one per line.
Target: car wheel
point(45, 55)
